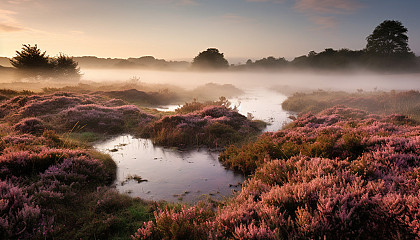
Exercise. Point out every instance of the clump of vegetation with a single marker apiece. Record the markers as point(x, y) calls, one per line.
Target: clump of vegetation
point(64, 111)
point(377, 102)
point(199, 124)
point(343, 173)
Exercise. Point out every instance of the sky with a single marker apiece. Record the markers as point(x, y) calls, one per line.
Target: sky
point(180, 29)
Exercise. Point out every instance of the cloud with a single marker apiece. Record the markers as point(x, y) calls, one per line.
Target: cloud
point(325, 22)
point(327, 6)
point(8, 23)
point(324, 12)
point(9, 28)
point(186, 2)
point(233, 18)
point(18, 1)
point(175, 2)
point(274, 1)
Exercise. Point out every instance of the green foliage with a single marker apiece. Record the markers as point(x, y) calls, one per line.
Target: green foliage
point(210, 59)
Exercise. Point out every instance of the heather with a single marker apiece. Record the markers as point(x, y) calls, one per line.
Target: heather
point(53, 189)
point(340, 174)
point(65, 111)
point(214, 126)
point(377, 102)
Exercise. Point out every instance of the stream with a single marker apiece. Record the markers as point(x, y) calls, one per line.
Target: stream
point(188, 176)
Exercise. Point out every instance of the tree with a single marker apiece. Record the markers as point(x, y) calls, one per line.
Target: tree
point(388, 38)
point(210, 59)
point(31, 61)
point(66, 68)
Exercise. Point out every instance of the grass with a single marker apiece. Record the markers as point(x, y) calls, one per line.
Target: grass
point(377, 102)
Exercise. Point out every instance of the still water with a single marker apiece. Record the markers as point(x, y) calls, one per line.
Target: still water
point(192, 175)
point(171, 175)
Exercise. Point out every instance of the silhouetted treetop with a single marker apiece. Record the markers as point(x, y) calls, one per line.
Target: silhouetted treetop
point(210, 59)
point(65, 67)
point(31, 62)
point(389, 37)
point(30, 58)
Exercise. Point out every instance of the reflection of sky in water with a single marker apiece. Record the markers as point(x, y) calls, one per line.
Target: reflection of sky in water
point(263, 105)
point(170, 174)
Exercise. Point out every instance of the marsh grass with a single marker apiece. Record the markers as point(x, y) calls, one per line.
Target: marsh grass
point(377, 102)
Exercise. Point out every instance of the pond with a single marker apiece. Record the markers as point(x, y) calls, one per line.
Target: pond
point(186, 176)
point(170, 174)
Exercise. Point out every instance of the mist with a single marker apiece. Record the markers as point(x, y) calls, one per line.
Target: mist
point(290, 81)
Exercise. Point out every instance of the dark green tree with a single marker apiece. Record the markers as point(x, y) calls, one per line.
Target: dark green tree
point(31, 61)
point(388, 38)
point(66, 68)
point(210, 59)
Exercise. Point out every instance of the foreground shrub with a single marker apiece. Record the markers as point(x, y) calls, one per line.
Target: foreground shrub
point(19, 217)
point(178, 223)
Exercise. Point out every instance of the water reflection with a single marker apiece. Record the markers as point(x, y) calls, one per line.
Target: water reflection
point(171, 175)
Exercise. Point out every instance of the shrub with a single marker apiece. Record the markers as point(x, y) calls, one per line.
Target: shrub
point(19, 217)
point(213, 126)
point(30, 125)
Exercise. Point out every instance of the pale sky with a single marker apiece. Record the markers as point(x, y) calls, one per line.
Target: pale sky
point(180, 29)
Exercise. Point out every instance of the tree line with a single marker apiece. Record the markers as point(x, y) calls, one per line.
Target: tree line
point(386, 50)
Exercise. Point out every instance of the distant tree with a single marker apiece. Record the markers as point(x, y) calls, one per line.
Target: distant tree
point(66, 68)
point(31, 61)
point(210, 59)
point(388, 38)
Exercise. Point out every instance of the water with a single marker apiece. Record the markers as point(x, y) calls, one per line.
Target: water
point(263, 104)
point(189, 176)
point(171, 175)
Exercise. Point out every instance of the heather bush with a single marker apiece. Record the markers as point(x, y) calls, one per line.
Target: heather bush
point(65, 111)
point(98, 118)
point(378, 102)
point(31, 125)
point(178, 223)
point(19, 217)
point(213, 126)
point(338, 132)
